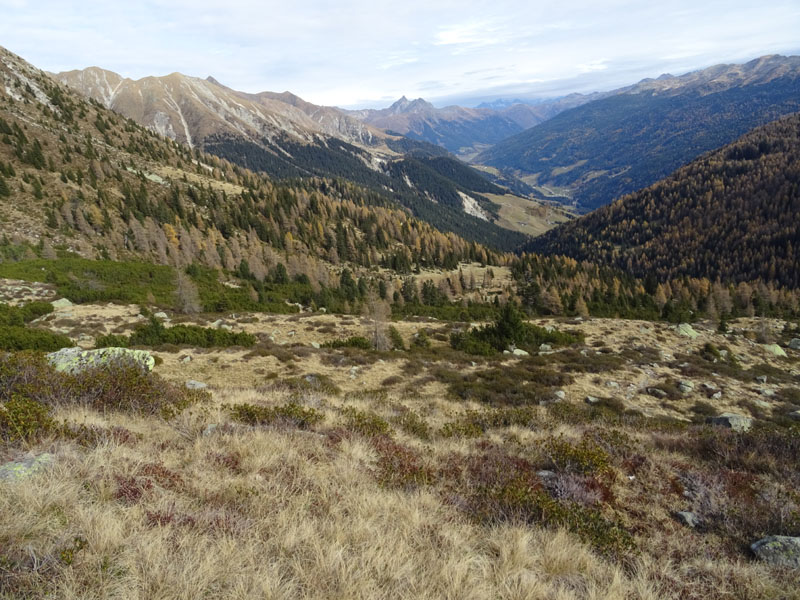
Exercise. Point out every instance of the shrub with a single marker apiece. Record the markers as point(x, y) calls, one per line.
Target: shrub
point(400, 466)
point(584, 458)
point(496, 486)
point(366, 423)
point(476, 423)
point(16, 338)
point(289, 414)
point(19, 315)
point(413, 424)
point(520, 385)
point(510, 329)
point(23, 419)
point(396, 339)
point(113, 387)
point(351, 342)
point(154, 334)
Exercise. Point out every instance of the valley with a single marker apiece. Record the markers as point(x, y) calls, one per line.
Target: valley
point(256, 347)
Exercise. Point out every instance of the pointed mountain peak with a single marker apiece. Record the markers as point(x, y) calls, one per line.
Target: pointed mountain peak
point(210, 79)
point(404, 105)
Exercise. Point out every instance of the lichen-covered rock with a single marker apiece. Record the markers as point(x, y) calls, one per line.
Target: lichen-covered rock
point(196, 385)
point(61, 303)
point(778, 550)
point(775, 350)
point(75, 360)
point(21, 469)
point(519, 352)
point(732, 421)
point(688, 518)
point(687, 330)
point(795, 415)
point(795, 344)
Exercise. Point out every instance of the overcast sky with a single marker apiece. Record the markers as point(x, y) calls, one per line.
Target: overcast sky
point(370, 52)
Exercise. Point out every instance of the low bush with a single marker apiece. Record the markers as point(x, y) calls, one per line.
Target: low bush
point(15, 339)
point(510, 330)
point(288, 414)
point(523, 384)
point(351, 342)
point(23, 419)
point(413, 424)
point(153, 334)
point(399, 465)
point(365, 423)
point(126, 388)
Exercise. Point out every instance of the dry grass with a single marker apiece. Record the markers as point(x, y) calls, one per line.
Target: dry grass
point(204, 505)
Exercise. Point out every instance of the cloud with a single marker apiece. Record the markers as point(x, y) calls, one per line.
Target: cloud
point(360, 51)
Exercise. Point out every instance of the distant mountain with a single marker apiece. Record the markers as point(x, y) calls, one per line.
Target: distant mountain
point(286, 137)
point(78, 177)
point(729, 215)
point(632, 138)
point(464, 130)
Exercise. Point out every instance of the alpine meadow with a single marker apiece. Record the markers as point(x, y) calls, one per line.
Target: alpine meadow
point(534, 336)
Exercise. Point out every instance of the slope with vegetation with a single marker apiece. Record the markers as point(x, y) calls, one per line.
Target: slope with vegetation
point(728, 216)
point(629, 140)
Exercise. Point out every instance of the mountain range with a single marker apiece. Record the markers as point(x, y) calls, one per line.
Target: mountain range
point(465, 130)
point(629, 139)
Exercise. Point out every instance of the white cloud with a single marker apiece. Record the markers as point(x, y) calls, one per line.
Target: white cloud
point(361, 51)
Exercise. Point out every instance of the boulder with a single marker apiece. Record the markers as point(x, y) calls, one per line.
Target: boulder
point(732, 421)
point(612, 384)
point(778, 550)
point(687, 330)
point(686, 386)
point(545, 348)
point(657, 392)
point(688, 518)
point(560, 394)
point(315, 345)
point(775, 350)
point(22, 469)
point(76, 360)
point(761, 379)
point(61, 303)
point(591, 400)
point(795, 415)
point(161, 315)
point(795, 344)
point(196, 385)
point(520, 352)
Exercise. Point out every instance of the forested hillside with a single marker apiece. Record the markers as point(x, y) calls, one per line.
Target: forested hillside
point(627, 141)
point(730, 215)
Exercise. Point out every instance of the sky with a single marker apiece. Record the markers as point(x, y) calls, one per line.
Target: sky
point(368, 53)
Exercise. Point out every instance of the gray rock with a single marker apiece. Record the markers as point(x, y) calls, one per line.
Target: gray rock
point(76, 360)
point(716, 395)
point(686, 386)
point(545, 474)
point(687, 330)
point(186, 359)
point(778, 550)
point(768, 393)
point(61, 303)
point(657, 392)
point(506, 351)
point(22, 469)
point(591, 400)
point(775, 350)
point(761, 403)
point(196, 385)
point(315, 345)
point(161, 315)
point(761, 379)
point(688, 518)
point(209, 430)
point(519, 352)
point(795, 415)
point(560, 394)
point(612, 384)
point(732, 421)
point(545, 348)
point(795, 344)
